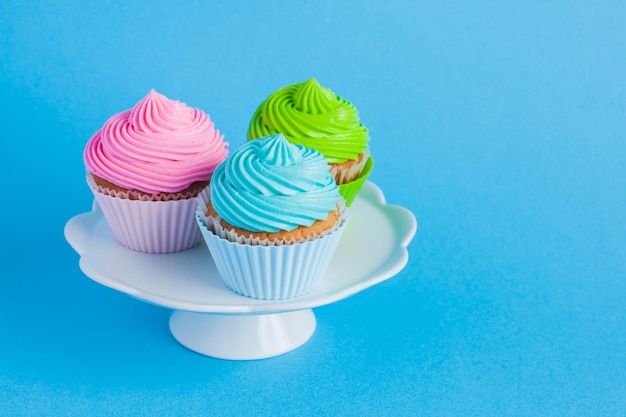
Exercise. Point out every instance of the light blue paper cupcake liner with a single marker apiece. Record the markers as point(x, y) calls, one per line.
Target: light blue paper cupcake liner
point(270, 272)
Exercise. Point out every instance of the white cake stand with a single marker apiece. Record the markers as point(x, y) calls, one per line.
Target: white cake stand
point(210, 319)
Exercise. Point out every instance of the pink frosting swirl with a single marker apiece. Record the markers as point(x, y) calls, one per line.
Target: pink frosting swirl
point(160, 145)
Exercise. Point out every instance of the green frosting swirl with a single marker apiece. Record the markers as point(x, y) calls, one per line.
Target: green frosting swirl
point(311, 115)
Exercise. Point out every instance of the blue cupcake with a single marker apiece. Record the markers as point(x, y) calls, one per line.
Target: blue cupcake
point(272, 218)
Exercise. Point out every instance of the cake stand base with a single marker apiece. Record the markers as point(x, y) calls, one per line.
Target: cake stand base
point(240, 337)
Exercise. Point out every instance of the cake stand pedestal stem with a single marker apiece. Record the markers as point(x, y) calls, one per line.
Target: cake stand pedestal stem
point(240, 337)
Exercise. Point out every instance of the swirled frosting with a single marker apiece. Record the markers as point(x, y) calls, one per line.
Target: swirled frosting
point(313, 116)
point(160, 145)
point(268, 185)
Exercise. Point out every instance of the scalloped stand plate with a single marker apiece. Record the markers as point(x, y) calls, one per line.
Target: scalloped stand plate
point(210, 319)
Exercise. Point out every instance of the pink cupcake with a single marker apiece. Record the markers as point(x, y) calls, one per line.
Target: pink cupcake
point(147, 165)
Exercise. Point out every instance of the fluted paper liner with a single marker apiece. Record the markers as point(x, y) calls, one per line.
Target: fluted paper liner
point(350, 190)
point(345, 175)
point(149, 226)
point(273, 272)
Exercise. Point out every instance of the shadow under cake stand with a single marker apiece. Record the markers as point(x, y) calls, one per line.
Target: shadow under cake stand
point(210, 319)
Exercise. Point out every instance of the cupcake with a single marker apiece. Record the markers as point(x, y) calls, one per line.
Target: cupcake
point(311, 115)
point(272, 218)
point(147, 165)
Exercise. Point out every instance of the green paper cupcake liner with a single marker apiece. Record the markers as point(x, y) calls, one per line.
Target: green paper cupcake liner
point(350, 190)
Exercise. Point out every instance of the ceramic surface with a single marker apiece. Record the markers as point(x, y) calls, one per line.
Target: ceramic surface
point(373, 249)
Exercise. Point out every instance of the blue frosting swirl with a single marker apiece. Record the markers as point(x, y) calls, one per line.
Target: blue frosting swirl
point(269, 184)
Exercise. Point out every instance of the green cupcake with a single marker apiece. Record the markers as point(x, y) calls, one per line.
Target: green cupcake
point(311, 115)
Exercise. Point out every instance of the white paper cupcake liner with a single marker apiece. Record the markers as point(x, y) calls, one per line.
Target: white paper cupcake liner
point(351, 189)
point(272, 272)
point(345, 175)
point(214, 225)
point(137, 195)
point(150, 226)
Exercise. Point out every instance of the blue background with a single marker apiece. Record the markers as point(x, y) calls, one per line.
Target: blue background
point(502, 127)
